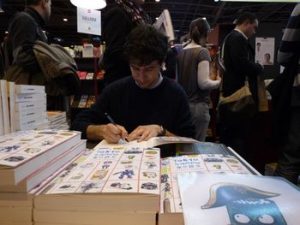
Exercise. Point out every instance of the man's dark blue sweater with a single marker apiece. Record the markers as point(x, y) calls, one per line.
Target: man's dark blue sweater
point(131, 106)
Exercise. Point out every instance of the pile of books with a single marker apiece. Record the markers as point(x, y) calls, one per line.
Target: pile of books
point(15, 209)
point(23, 107)
point(83, 75)
point(27, 160)
point(104, 186)
point(170, 205)
point(83, 101)
point(57, 120)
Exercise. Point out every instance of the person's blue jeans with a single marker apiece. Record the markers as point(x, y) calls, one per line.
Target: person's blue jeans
point(200, 118)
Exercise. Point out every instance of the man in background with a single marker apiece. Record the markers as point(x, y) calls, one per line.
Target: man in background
point(118, 20)
point(25, 29)
point(239, 67)
point(289, 56)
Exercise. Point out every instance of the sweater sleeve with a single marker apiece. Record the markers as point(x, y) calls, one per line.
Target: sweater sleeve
point(290, 44)
point(22, 34)
point(94, 115)
point(239, 53)
point(204, 82)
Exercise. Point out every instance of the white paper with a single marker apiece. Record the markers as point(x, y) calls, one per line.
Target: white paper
point(227, 199)
point(88, 21)
point(264, 50)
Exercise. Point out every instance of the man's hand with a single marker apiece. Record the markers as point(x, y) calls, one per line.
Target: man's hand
point(112, 133)
point(144, 133)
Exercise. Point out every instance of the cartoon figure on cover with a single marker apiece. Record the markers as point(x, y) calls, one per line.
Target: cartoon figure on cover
point(245, 205)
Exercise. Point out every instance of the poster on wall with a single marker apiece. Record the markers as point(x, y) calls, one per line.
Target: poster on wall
point(238, 199)
point(88, 21)
point(264, 50)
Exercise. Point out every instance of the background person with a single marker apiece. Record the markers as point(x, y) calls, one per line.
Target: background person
point(118, 21)
point(239, 66)
point(193, 75)
point(288, 56)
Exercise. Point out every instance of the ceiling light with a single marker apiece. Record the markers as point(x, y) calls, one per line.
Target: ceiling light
point(89, 4)
point(157, 0)
point(65, 19)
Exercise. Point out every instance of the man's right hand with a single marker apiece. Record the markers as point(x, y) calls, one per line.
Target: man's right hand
point(112, 133)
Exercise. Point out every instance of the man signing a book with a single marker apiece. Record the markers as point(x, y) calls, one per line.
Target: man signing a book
point(143, 105)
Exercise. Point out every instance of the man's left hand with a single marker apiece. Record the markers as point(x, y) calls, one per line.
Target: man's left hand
point(144, 133)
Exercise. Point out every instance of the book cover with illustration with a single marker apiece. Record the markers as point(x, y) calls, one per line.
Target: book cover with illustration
point(24, 152)
point(116, 173)
point(238, 199)
point(103, 183)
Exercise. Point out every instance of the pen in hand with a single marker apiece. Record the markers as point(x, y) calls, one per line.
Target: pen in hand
point(110, 119)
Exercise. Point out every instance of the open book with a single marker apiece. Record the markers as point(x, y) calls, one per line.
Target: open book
point(152, 142)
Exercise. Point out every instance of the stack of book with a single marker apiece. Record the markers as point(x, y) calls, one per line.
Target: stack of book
point(23, 107)
point(57, 120)
point(30, 107)
point(106, 186)
point(170, 205)
point(28, 159)
point(83, 101)
point(15, 209)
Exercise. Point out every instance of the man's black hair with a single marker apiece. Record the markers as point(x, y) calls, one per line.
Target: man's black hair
point(246, 17)
point(145, 44)
point(32, 2)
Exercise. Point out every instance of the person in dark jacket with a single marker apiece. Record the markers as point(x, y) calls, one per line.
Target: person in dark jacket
point(289, 56)
point(118, 21)
point(143, 105)
point(24, 30)
point(239, 66)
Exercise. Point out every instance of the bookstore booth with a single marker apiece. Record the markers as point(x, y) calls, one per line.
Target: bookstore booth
point(51, 174)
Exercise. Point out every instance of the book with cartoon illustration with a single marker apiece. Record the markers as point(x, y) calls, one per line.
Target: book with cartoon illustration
point(104, 181)
point(171, 207)
point(238, 199)
point(25, 152)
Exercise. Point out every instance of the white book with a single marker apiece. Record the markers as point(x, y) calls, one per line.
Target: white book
point(29, 89)
point(1, 114)
point(29, 123)
point(30, 110)
point(87, 51)
point(25, 116)
point(38, 97)
point(21, 106)
point(47, 170)
point(106, 179)
point(12, 110)
point(21, 158)
point(89, 76)
point(5, 106)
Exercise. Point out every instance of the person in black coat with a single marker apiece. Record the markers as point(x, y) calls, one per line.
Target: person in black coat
point(239, 66)
point(120, 18)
